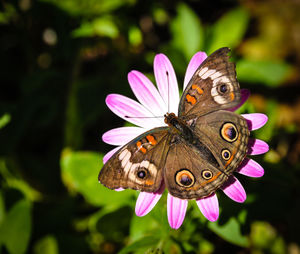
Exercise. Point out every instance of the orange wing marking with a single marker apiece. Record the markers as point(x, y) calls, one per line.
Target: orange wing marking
point(191, 99)
point(149, 182)
point(197, 88)
point(230, 159)
point(140, 147)
point(206, 182)
point(231, 96)
point(151, 140)
point(232, 155)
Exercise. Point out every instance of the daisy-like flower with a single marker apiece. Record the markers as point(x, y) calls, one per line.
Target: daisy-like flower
point(154, 102)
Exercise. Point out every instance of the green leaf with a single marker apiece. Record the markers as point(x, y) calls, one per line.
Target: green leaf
point(138, 228)
point(2, 209)
point(103, 26)
point(89, 7)
point(25, 188)
point(160, 16)
point(16, 229)
point(144, 244)
point(80, 173)
point(262, 234)
point(229, 30)
point(9, 13)
point(46, 245)
point(4, 120)
point(272, 111)
point(114, 225)
point(206, 246)
point(270, 73)
point(135, 36)
point(230, 232)
point(187, 31)
point(13, 181)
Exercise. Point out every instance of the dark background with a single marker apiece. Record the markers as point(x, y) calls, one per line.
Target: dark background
point(58, 62)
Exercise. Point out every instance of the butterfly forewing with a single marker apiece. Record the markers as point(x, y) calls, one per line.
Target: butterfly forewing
point(138, 164)
point(213, 86)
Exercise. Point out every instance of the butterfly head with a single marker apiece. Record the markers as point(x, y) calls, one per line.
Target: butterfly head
point(170, 119)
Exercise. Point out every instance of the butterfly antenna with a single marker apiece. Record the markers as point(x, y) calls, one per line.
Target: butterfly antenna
point(143, 116)
point(168, 91)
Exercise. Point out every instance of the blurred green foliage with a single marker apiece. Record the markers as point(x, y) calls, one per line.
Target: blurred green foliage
point(190, 40)
point(60, 59)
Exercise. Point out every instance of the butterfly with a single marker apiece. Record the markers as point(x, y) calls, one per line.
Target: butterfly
point(198, 150)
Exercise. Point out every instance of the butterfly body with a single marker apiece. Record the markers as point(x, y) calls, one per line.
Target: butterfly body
point(178, 126)
point(199, 149)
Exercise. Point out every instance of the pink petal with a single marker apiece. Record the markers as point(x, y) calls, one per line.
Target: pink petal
point(107, 156)
point(131, 111)
point(250, 168)
point(245, 94)
point(146, 93)
point(166, 82)
point(195, 62)
point(119, 189)
point(176, 211)
point(255, 120)
point(209, 207)
point(146, 201)
point(234, 190)
point(257, 146)
point(121, 136)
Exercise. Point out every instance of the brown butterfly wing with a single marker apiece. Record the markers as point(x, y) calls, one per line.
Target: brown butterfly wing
point(226, 135)
point(188, 173)
point(213, 86)
point(196, 169)
point(138, 165)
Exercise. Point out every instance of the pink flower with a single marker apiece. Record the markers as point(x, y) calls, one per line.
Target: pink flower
point(154, 102)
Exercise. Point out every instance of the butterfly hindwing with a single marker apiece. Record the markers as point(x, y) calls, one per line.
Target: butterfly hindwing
point(195, 169)
point(188, 174)
point(230, 137)
point(138, 164)
point(213, 86)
